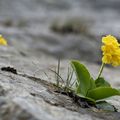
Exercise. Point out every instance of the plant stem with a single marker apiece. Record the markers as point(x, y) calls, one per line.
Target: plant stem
point(101, 69)
point(58, 72)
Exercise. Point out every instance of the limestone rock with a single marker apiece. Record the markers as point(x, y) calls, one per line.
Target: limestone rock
point(29, 95)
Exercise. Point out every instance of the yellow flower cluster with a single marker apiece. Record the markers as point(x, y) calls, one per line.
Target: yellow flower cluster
point(111, 50)
point(2, 41)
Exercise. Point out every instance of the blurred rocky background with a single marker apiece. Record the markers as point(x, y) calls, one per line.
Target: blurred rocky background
point(61, 28)
point(38, 33)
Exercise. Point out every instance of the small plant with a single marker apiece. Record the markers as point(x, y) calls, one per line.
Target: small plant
point(95, 91)
point(66, 84)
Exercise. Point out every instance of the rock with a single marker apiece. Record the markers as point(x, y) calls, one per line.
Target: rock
point(30, 95)
point(27, 24)
point(10, 110)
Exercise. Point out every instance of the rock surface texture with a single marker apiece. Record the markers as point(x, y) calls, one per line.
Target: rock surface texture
point(29, 94)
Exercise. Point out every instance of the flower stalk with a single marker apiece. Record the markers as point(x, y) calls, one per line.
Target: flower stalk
point(101, 69)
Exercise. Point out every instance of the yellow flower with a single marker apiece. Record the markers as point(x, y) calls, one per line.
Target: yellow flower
point(107, 59)
point(2, 41)
point(111, 50)
point(110, 40)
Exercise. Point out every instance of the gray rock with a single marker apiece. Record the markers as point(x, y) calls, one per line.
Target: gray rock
point(29, 95)
point(27, 23)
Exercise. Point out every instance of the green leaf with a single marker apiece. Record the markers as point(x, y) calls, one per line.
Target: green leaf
point(101, 82)
point(84, 80)
point(118, 90)
point(92, 84)
point(103, 105)
point(102, 93)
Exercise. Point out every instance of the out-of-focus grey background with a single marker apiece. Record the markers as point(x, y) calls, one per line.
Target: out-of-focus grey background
point(60, 28)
